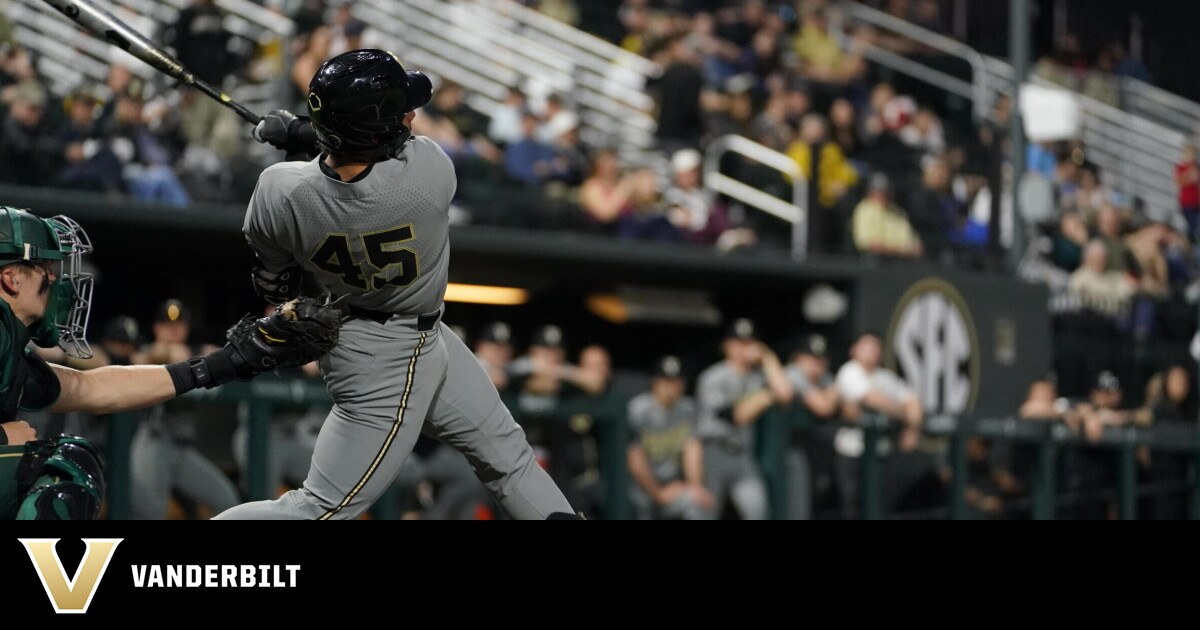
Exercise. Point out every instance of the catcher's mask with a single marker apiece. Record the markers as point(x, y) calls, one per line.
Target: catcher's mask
point(58, 244)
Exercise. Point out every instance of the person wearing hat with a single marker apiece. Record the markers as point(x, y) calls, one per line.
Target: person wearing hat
point(494, 350)
point(880, 227)
point(163, 456)
point(665, 459)
point(817, 394)
point(30, 153)
point(542, 379)
point(1091, 469)
point(733, 394)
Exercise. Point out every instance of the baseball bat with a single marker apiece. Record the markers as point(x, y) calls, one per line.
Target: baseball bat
point(111, 29)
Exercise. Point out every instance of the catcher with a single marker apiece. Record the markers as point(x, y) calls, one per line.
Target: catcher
point(45, 298)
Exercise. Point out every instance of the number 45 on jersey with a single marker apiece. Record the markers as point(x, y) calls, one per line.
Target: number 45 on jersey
point(383, 251)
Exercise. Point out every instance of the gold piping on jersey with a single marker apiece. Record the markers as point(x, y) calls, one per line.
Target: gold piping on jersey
point(387, 444)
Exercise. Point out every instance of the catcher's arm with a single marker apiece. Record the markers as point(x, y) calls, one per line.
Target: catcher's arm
point(297, 333)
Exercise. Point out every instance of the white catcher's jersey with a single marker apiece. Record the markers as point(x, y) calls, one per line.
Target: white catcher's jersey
point(382, 242)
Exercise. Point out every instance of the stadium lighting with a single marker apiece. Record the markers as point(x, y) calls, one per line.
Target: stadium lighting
point(480, 294)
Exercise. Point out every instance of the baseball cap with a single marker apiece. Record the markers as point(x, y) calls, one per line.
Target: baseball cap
point(29, 93)
point(172, 311)
point(496, 332)
point(668, 367)
point(548, 336)
point(1107, 382)
point(741, 328)
point(814, 345)
point(562, 123)
point(685, 160)
point(123, 329)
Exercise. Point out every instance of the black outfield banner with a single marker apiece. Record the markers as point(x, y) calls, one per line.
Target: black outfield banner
point(966, 343)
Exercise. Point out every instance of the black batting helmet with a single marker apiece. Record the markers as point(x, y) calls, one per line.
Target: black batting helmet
point(357, 102)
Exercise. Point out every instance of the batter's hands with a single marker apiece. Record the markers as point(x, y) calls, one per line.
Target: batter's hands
point(287, 132)
point(19, 432)
point(273, 128)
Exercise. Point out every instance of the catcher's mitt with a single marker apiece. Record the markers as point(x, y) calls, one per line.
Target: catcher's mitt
point(297, 333)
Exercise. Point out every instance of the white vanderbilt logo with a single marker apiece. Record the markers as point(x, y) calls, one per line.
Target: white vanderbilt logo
point(932, 344)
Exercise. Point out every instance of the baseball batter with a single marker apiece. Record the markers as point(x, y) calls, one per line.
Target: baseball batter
point(369, 220)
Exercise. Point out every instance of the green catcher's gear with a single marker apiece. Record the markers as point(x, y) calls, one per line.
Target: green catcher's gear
point(65, 480)
point(59, 243)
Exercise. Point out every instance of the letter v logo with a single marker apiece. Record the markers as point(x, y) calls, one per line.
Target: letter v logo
point(72, 596)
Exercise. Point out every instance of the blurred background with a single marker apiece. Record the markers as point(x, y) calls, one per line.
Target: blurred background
point(723, 258)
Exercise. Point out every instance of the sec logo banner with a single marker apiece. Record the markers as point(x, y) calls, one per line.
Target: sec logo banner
point(932, 344)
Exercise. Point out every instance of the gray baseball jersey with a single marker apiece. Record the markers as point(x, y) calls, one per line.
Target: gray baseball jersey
point(383, 241)
point(380, 242)
point(662, 433)
point(718, 389)
point(801, 383)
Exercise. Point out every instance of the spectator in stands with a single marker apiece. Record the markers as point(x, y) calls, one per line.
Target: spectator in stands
point(665, 459)
point(933, 210)
point(317, 49)
point(679, 119)
point(692, 208)
point(30, 154)
point(830, 177)
point(494, 350)
point(1129, 65)
point(505, 125)
point(528, 160)
point(844, 130)
point(1146, 247)
point(1100, 289)
point(647, 216)
point(90, 163)
point(1090, 195)
point(733, 395)
point(570, 159)
point(1069, 241)
point(605, 195)
point(552, 118)
point(866, 387)
point(1100, 82)
point(771, 127)
point(1187, 177)
point(202, 45)
point(1110, 228)
point(928, 15)
point(146, 164)
point(925, 133)
point(880, 227)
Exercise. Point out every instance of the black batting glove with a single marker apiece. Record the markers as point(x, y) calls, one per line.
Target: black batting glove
point(287, 132)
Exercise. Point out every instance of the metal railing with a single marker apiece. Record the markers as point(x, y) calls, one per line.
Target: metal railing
point(979, 90)
point(38, 27)
point(1136, 152)
point(1048, 439)
point(489, 47)
point(795, 212)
